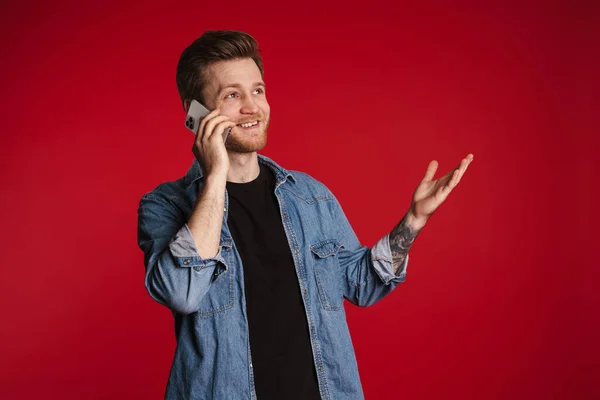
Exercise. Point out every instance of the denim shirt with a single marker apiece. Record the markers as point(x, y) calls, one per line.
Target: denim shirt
point(206, 296)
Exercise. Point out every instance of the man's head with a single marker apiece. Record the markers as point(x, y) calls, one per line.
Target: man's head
point(222, 69)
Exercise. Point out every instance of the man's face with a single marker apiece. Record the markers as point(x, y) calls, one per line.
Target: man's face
point(237, 88)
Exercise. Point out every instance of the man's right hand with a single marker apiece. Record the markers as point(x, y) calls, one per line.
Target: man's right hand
point(209, 148)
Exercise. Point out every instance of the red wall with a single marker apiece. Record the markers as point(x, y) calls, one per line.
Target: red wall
point(500, 300)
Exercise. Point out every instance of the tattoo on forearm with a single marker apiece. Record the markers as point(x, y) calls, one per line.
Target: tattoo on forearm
point(401, 238)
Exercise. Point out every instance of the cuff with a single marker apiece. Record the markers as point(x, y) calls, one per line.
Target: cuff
point(381, 256)
point(184, 251)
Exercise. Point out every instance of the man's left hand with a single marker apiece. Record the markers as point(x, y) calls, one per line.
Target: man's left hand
point(431, 193)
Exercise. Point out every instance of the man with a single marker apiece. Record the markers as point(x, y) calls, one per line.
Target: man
point(254, 260)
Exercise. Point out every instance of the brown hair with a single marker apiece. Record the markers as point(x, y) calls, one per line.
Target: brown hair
point(211, 47)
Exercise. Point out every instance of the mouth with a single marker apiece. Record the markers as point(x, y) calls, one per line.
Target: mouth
point(248, 126)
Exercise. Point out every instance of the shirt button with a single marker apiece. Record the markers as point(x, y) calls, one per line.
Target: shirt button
point(297, 251)
point(320, 367)
point(250, 365)
point(284, 215)
point(186, 261)
point(225, 209)
point(305, 291)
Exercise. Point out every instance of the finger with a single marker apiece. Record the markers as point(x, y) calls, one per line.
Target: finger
point(446, 180)
point(205, 120)
point(462, 173)
point(464, 165)
point(456, 178)
point(457, 173)
point(443, 192)
point(452, 179)
point(431, 168)
point(447, 189)
point(210, 126)
point(220, 128)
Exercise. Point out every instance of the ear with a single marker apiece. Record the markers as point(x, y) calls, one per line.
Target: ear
point(186, 105)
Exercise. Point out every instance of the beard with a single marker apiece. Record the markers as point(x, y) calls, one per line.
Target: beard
point(239, 141)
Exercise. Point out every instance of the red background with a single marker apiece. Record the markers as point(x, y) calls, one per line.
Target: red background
point(500, 299)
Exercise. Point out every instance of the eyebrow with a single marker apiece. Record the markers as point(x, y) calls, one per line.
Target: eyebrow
point(237, 85)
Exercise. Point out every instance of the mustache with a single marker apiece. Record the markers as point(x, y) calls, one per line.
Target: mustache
point(258, 117)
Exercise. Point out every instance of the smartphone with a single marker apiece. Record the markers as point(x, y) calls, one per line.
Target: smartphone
point(195, 113)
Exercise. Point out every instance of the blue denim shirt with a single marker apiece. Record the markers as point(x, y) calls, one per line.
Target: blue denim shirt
point(212, 357)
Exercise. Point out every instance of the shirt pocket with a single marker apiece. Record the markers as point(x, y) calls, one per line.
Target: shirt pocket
point(219, 296)
point(327, 271)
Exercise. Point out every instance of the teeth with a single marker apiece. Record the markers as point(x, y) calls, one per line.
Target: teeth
point(249, 124)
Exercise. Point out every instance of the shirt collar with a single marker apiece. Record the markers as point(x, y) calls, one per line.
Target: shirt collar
point(281, 174)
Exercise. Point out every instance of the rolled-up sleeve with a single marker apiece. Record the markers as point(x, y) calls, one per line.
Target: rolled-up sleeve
point(183, 248)
point(367, 272)
point(176, 275)
point(381, 255)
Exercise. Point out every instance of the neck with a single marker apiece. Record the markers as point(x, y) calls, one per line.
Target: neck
point(243, 167)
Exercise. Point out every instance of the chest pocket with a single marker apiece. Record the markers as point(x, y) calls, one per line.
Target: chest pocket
point(219, 296)
point(328, 274)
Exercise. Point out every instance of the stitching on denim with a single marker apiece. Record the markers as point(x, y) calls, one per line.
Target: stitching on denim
point(302, 272)
point(320, 268)
point(336, 248)
point(312, 200)
point(211, 312)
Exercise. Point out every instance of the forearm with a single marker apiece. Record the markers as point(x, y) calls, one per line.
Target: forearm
point(176, 275)
point(402, 238)
point(207, 218)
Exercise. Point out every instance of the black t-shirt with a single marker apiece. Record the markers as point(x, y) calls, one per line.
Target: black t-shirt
point(279, 341)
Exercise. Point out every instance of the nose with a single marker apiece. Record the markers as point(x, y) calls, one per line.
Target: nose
point(249, 106)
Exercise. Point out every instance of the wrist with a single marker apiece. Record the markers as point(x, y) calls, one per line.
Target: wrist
point(415, 223)
point(214, 184)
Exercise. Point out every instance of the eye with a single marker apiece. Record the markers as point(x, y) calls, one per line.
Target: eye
point(231, 94)
point(259, 90)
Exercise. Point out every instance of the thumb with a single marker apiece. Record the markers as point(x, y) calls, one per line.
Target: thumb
point(431, 168)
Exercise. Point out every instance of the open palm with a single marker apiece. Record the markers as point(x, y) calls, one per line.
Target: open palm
point(431, 193)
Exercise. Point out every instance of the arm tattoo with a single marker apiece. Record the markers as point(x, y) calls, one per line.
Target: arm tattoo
point(401, 238)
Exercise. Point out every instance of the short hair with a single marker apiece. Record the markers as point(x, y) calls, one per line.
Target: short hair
point(212, 46)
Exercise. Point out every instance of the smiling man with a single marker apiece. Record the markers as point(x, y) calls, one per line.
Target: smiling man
point(254, 260)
